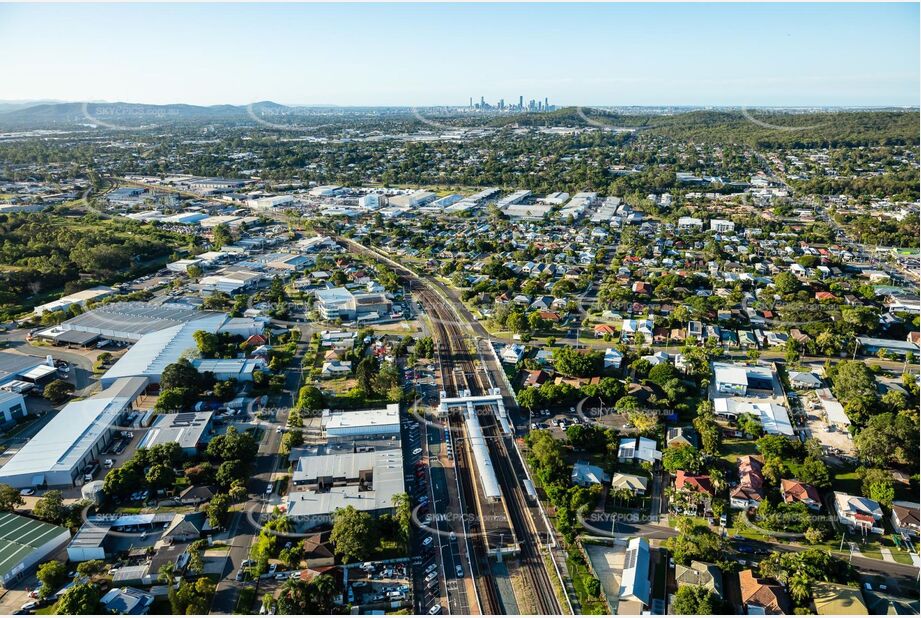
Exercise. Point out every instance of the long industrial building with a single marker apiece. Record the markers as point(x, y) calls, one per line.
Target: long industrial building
point(77, 435)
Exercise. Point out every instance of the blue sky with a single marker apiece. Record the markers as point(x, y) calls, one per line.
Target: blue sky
point(434, 54)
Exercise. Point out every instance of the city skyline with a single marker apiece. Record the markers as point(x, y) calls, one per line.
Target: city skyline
point(805, 55)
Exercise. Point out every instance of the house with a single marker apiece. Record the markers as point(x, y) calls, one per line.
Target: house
point(631, 327)
point(336, 368)
point(750, 491)
point(605, 329)
point(795, 491)
point(677, 436)
point(633, 483)
point(905, 519)
point(857, 512)
point(195, 495)
point(701, 574)
point(697, 483)
point(634, 582)
point(511, 354)
point(585, 474)
point(184, 527)
point(536, 377)
point(318, 550)
point(127, 601)
point(832, 599)
point(884, 604)
point(762, 596)
point(636, 450)
point(805, 379)
point(613, 358)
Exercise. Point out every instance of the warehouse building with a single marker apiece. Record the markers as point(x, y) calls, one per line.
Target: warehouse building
point(365, 480)
point(12, 408)
point(154, 351)
point(24, 543)
point(129, 321)
point(190, 430)
point(351, 424)
point(239, 369)
point(79, 298)
point(23, 368)
point(76, 436)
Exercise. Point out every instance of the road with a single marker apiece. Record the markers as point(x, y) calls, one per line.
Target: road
point(241, 531)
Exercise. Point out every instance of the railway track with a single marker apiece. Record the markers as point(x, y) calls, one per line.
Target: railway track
point(453, 356)
point(454, 383)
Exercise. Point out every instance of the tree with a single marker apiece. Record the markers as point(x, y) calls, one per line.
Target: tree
point(208, 343)
point(181, 374)
point(50, 507)
point(403, 514)
point(173, 400)
point(310, 398)
point(855, 387)
point(352, 534)
point(231, 445)
point(57, 391)
point(749, 425)
point(91, 567)
point(365, 373)
point(160, 476)
point(889, 439)
point(800, 586)
point(786, 283)
point(682, 457)
point(694, 600)
point(813, 471)
point(217, 509)
point(876, 484)
point(52, 575)
point(10, 498)
point(79, 599)
point(221, 235)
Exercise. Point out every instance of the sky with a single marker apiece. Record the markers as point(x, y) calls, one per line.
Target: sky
point(825, 54)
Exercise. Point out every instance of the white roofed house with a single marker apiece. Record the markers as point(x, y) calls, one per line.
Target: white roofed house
point(858, 513)
point(336, 368)
point(631, 327)
point(613, 358)
point(585, 474)
point(634, 583)
point(633, 483)
point(638, 450)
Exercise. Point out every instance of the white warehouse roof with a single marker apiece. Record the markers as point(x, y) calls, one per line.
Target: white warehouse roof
point(70, 436)
point(153, 352)
point(358, 422)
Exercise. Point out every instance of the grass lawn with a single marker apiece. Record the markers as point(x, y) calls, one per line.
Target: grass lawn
point(580, 575)
point(733, 449)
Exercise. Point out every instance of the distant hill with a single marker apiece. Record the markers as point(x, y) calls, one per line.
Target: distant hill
point(756, 127)
point(130, 115)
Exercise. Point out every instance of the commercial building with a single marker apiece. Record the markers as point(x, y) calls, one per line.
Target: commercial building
point(12, 407)
point(79, 298)
point(239, 369)
point(412, 200)
point(268, 203)
point(129, 321)
point(230, 281)
point(76, 436)
point(22, 367)
point(340, 303)
point(350, 424)
point(154, 351)
point(190, 430)
point(365, 480)
point(24, 543)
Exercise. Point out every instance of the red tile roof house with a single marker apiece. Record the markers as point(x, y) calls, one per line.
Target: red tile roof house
point(795, 491)
point(762, 596)
point(750, 491)
point(604, 329)
point(825, 296)
point(550, 316)
point(699, 483)
point(536, 377)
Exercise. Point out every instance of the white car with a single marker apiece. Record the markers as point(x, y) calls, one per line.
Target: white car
point(417, 451)
point(28, 491)
point(428, 541)
point(436, 609)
